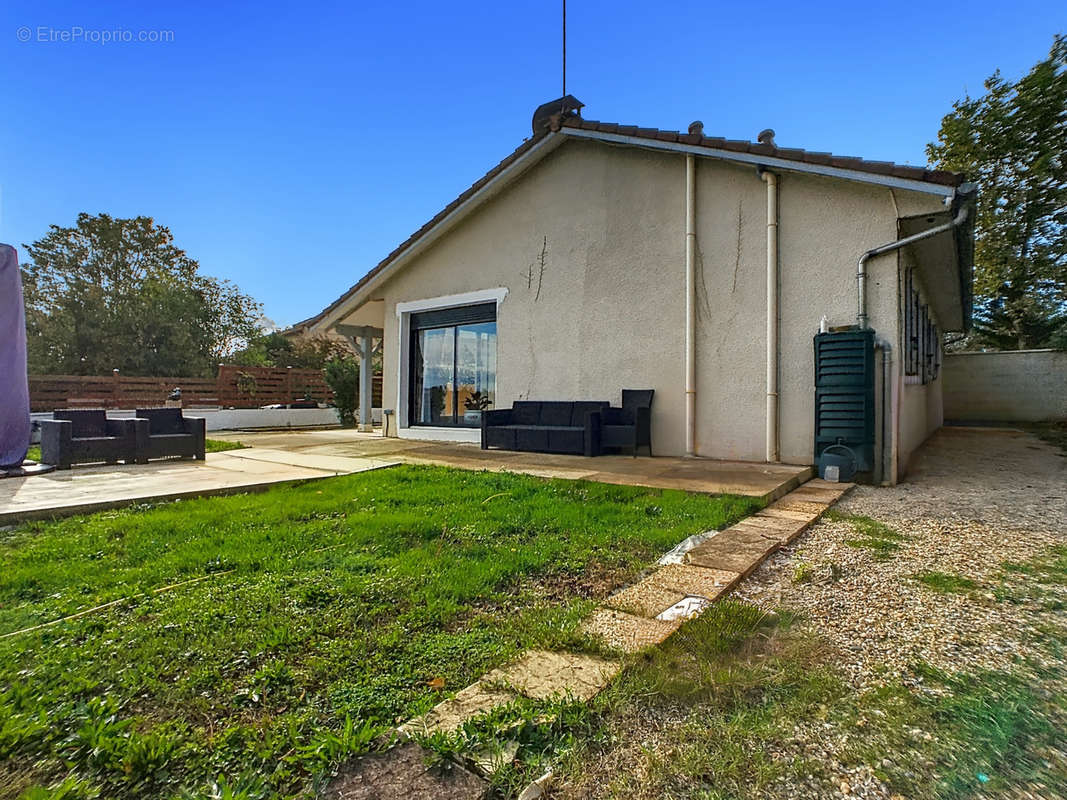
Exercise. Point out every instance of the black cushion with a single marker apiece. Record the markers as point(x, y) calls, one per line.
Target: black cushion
point(162, 421)
point(556, 413)
point(84, 423)
point(525, 412)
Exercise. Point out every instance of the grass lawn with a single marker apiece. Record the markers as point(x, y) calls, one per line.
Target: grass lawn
point(324, 614)
point(210, 445)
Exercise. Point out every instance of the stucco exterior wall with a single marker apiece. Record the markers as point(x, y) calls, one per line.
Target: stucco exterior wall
point(1014, 386)
point(611, 308)
point(921, 408)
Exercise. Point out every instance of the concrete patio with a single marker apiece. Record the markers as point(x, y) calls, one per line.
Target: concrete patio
point(98, 487)
point(278, 457)
point(766, 481)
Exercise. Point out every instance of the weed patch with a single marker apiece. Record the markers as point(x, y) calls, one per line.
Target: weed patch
point(876, 536)
point(946, 582)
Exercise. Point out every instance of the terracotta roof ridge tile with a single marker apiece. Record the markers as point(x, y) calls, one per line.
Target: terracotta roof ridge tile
point(772, 151)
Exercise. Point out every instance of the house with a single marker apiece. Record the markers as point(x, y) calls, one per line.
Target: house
point(598, 257)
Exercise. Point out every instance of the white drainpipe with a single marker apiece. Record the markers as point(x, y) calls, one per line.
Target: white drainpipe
point(772, 315)
point(690, 304)
point(861, 268)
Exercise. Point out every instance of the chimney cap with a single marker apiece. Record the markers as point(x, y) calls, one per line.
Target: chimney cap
point(559, 109)
point(696, 128)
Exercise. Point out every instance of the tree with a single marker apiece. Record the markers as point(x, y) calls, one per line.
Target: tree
point(114, 293)
point(273, 349)
point(1012, 141)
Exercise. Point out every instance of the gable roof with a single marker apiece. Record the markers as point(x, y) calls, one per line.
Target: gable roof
point(540, 144)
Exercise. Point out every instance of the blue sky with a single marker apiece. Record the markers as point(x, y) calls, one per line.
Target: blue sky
point(290, 146)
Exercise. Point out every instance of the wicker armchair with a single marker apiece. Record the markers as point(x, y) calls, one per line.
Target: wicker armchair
point(629, 426)
point(84, 436)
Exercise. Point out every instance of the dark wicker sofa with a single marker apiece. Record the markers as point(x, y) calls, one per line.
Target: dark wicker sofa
point(549, 426)
point(83, 436)
point(167, 433)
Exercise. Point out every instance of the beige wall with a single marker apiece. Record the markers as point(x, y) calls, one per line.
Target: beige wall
point(921, 409)
point(1014, 386)
point(611, 310)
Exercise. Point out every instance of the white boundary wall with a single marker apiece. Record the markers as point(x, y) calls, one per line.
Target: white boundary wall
point(1006, 386)
point(228, 419)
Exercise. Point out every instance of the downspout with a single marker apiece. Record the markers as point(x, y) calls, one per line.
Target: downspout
point(861, 269)
point(772, 314)
point(863, 321)
point(888, 408)
point(690, 304)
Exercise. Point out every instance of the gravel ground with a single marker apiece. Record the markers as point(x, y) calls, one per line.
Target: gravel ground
point(975, 499)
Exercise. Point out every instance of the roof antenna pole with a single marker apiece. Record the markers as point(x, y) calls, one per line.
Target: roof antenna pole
point(564, 48)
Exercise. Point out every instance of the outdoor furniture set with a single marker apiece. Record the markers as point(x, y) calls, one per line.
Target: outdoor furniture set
point(85, 436)
point(583, 427)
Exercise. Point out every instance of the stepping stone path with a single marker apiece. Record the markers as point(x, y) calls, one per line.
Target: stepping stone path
point(639, 616)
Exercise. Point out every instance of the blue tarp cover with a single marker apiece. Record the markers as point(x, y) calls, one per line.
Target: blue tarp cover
point(14, 385)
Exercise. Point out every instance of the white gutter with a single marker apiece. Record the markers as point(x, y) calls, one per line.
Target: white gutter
point(778, 164)
point(861, 267)
point(500, 181)
point(690, 304)
point(772, 315)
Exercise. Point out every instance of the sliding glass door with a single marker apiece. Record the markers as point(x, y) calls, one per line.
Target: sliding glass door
point(453, 366)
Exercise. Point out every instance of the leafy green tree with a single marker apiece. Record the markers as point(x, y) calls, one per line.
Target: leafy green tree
point(113, 293)
point(273, 349)
point(1013, 142)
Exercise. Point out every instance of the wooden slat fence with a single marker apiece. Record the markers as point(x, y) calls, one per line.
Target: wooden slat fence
point(233, 387)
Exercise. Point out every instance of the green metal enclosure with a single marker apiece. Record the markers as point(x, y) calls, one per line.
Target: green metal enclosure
point(844, 394)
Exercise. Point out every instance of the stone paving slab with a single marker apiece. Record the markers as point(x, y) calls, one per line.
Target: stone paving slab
point(828, 496)
point(780, 530)
point(646, 598)
point(402, 773)
point(627, 632)
point(542, 674)
point(785, 513)
point(340, 465)
point(733, 550)
point(805, 506)
point(688, 580)
point(819, 483)
point(450, 714)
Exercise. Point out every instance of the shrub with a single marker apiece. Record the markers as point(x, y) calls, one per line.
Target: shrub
point(342, 376)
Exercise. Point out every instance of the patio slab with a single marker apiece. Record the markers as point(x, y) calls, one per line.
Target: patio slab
point(627, 632)
point(698, 581)
point(646, 598)
point(733, 550)
point(450, 714)
point(542, 674)
point(95, 488)
point(765, 481)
